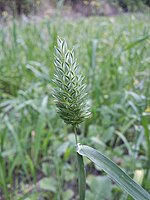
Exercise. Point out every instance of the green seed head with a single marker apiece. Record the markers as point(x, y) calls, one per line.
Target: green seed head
point(69, 94)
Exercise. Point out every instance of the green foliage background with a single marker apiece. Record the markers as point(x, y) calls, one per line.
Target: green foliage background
point(36, 148)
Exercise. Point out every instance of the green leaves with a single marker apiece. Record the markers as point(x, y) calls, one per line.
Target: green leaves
point(69, 94)
point(48, 184)
point(125, 182)
point(98, 189)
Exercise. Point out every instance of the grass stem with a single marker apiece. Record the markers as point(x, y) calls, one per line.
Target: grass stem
point(81, 171)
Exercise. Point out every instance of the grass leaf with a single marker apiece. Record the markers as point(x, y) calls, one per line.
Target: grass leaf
point(117, 174)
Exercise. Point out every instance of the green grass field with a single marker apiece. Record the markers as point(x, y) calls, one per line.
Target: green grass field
point(37, 153)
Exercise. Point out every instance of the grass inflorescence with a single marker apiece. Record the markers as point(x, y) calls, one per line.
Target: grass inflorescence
point(70, 94)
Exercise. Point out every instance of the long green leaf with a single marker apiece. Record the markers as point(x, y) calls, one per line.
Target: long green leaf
point(3, 182)
point(39, 128)
point(145, 123)
point(17, 143)
point(125, 182)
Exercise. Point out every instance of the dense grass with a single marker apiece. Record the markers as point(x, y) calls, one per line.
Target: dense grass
point(34, 142)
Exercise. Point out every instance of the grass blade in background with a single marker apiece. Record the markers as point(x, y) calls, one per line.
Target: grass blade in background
point(40, 126)
point(17, 143)
point(137, 41)
point(145, 123)
point(3, 183)
point(125, 182)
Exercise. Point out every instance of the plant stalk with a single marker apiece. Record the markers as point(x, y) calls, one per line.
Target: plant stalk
point(81, 171)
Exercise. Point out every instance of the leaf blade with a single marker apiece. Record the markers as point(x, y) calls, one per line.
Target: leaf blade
point(125, 182)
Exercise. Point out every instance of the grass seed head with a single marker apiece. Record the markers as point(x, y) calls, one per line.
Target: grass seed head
point(70, 95)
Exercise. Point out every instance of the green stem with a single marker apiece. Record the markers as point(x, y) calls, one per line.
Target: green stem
point(75, 133)
point(3, 178)
point(81, 171)
point(145, 122)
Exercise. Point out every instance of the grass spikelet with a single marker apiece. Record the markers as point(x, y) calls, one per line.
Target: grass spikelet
point(70, 92)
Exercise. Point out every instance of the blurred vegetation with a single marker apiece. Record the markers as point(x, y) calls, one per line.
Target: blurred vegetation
point(36, 149)
point(17, 7)
point(134, 5)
